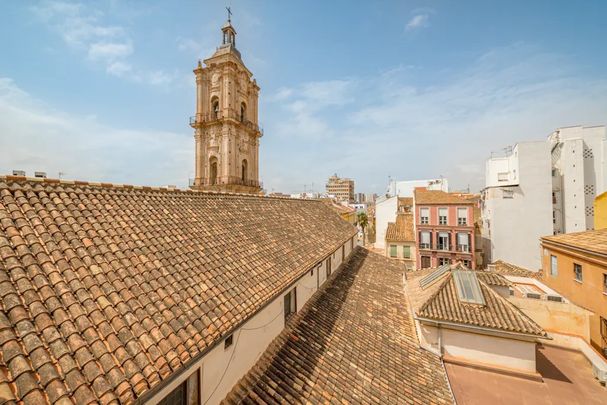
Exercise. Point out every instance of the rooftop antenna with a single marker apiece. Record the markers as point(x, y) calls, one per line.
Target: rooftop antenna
point(229, 14)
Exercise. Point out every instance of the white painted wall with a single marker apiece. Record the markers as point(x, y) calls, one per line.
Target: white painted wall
point(385, 211)
point(489, 350)
point(580, 175)
point(222, 368)
point(405, 188)
point(512, 226)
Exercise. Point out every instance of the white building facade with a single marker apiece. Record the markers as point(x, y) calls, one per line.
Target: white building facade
point(385, 211)
point(405, 188)
point(578, 176)
point(516, 204)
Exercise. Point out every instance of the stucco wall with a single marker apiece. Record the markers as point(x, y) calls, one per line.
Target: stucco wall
point(528, 212)
point(559, 317)
point(385, 211)
point(588, 294)
point(488, 350)
point(221, 368)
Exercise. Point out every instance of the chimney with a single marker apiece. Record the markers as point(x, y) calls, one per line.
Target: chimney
point(40, 175)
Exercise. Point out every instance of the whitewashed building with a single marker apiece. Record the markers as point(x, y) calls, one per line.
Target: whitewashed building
point(516, 204)
point(578, 176)
point(405, 188)
point(385, 212)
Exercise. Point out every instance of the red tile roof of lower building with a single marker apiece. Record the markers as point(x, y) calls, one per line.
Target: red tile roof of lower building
point(108, 290)
point(401, 230)
point(354, 342)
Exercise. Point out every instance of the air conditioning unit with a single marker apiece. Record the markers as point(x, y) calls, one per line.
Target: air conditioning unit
point(40, 175)
point(19, 173)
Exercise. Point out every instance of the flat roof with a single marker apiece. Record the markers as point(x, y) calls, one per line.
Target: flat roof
point(566, 379)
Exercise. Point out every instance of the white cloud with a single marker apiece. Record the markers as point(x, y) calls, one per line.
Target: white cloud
point(417, 21)
point(385, 125)
point(84, 29)
point(36, 137)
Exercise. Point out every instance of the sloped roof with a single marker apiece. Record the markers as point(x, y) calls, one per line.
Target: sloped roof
point(493, 278)
point(594, 241)
point(107, 290)
point(425, 196)
point(508, 269)
point(353, 342)
point(497, 312)
point(401, 230)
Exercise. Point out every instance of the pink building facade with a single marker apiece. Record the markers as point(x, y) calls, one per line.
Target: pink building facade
point(444, 231)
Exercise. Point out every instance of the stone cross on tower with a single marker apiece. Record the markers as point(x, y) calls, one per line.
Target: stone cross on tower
point(225, 126)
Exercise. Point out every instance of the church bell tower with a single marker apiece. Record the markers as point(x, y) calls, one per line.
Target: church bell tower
point(226, 128)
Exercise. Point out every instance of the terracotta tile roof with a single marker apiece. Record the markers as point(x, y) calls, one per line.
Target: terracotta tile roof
point(401, 230)
point(507, 269)
point(354, 342)
point(106, 290)
point(594, 241)
point(405, 202)
point(492, 278)
point(497, 312)
point(425, 196)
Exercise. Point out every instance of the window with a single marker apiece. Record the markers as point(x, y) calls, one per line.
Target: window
point(443, 241)
point(328, 267)
point(462, 216)
point(577, 272)
point(407, 252)
point(228, 341)
point(463, 242)
point(392, 250)
point(507, 194)
point(244, 170)
point(426, 262)
point(213, 171)
point(442, 216)
point(604, 283)
point(424, 215)
point(186, 393)
point(215, 108)
point(466, 263)
point(554, 270)
point(290, 303)
point(424, 240)
point(443, 260)
point(553, 197)
point(243, 112)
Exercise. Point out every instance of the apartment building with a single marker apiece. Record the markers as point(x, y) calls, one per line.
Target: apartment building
point(517, 197)
point(575, 265)
point(405, 188)
point(341, 189)
point(444, 228)
point(579, 174)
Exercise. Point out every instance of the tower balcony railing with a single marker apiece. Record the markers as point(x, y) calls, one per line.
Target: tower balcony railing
point(225, 180)
point(199, 119)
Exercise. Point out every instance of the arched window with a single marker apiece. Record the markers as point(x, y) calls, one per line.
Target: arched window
point(213, 171)
point(244, 170)
point(215, 108)
point(243, 112)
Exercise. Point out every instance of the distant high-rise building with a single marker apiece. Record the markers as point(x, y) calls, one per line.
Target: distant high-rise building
point(341, 189)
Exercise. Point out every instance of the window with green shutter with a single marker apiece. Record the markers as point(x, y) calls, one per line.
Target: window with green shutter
point(407, 252)
point(392, 250)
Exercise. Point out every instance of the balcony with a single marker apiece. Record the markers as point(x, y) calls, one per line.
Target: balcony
point(425, 246)
point(227, 180)
point(463, 248)
point(202, 119)
point(442, 246)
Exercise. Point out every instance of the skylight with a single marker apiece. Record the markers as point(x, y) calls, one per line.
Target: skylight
point(427, 280)
point(468, 287)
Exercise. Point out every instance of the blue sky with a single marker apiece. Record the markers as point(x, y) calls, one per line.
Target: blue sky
point(102, 91)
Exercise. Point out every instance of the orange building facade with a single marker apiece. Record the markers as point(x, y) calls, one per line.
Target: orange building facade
point(575, 265)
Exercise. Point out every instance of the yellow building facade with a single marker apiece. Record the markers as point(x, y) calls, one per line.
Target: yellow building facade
point(575, 265)
point(600, 211)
